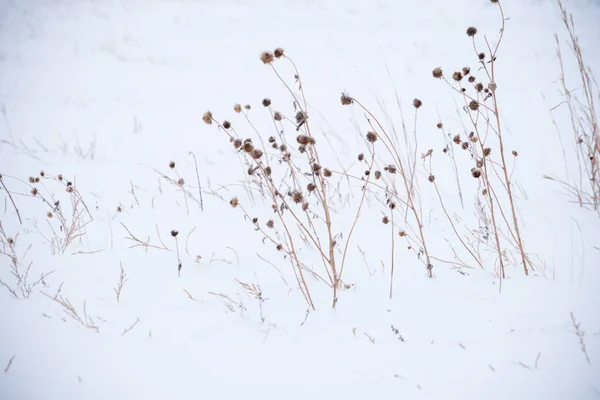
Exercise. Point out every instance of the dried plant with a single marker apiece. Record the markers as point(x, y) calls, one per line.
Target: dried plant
point(122, 280)
point(580, 334)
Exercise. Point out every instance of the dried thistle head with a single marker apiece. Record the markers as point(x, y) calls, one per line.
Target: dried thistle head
point(279, 247)
point(471, 31)
point(377, 174)
point(303, 139)
point(234, 202)
point(49, 214)
point(37, 179)
point(316, 167)
point(371, 137)
point(174, 233)
point(248, 147)
point(481, 56)
point(180, 181)
point(266, 102)
point(172, 164)
point(464, 145)
point(361, 157)
point(267, 57)
point(437, 73)
point(385, 220)
point(247, 106)
point(327, 173)
point(479, 87)
point(301, 117)
point(417, 103)
point(237, 143)
point(226, 124)
point(59, 177)
point(390, 169)
point(272, 139)
point(476, 172)
point(466, 71)
point(471, 79)
point(492, 86)
point(270, 224)
point(297, 196)
point(237, 108)
point(515, 153)
point(283, 148)
point(287, 156)
point(473, 139)
point(431, 178)
point(278, 53)
point(277, 116)
point(439, 125)
point(311, 187)
point(474, 105)
point(486, 151)
point(207, 117)
point(31, 179)
point(256, 154)
point(456, 139)
point(346, 100)
point(302, 148)
point(457, 76)
point(34, 191)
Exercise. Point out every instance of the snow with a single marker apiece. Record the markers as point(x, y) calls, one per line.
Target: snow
point(107, 93)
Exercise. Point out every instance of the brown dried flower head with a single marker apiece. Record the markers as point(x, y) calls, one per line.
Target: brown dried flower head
point(237, 143)
point(377, 174)
point(256, 154)
point(207, 117)
point(251, 170)
point(237, 108)
point(481, 56)
point(515, 153)
point(346, 100)
point(385, 220)
point(304, 206)
point(267, 57)
point(268, 171)
point(172, 164)
point(283, 148)
point(266, 102)
point(10, 241)
point(297, 196)
point(476, 172)
point(401, 233)
point(367, 172)
point(37, 179)
point(327, 173)
point(439, 125)
point(311, 187)
point(34, 191)
point(466, 71)
point(417, 103)
point(486, 151)
point(180, 182)
point(255, 220)
point(270, 224)
point(457, 76)
point(248, 147)
point(272, 139)
point(361, 157)
point(234, 202)
point(391, 169)
point(49, 214)
point(431, 178)
point(287, 156)
point(474, 105)
point(226, 124)
point(174, 233)
point(464, 145)
point(278, 53)
point(479, 163)
point(119, 209)
point(247, 106)
point(471, 31)
point(303, 139)
point(492, 86)
point(316, 167)
point(371, 137)
point(471, 79)
point(456, 139)
point(277, 116)
point(479, 87)
point(437, 73)
point(279, 247)
point(31, 179)
point(60, 177)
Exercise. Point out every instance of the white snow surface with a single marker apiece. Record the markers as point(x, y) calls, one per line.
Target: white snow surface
point(107, 93)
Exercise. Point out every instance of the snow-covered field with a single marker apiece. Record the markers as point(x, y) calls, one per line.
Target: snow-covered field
point(166, 291)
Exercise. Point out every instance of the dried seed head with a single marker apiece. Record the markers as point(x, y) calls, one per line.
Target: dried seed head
point(270, 224)
point(251, 170)
point(174, 233)
point(278, 53)
point(327, 173)
point(266, 102)
point(479, 87)
point(466, 71)
point(457, 76)
point(49, 214)
point(476, 172)
point(256, 154)
point(226, 124)
point(237, 108)
point(316, 167)
point(34, 191)
point(70, 189)
point(401, 233)
point(473, 139)
point(301, 117)
point(255, 220)
point(207, 117)
point(439, 125)
point(486, 90)
point(377, 174)
point(391, 169)
point(234, 202)
point(303, 139)
point(484, 192)
point(431, 178)
point(385, 220)
point(172, 164)
point(272, 139)
point(437, 72)
point(371, 137)
point(361, 156)
point(486, 151)
point(31, 179)
point(302, 148)
point(471, 79)
point(180, 182)
point(248, 147)
point(10, 241)
point(297, 196)
point(494, 1)
point(282, 148)
point(268, 171)
point(474, 105)
point(279, 247)
point(492, 86)
point(392, 205)
point(237, 143)
point(119, 209)
point(367, 172)
point(42, 173)
point(479, 163)
point(445, 150)
point(481, 56)
point(346, 100)
point(266, 57)
point(277, 116)
point(304, 206)
point(60, 177)
point(287, 156)
point(247, 106)
point(456, 139)
point(465, 145)
point(37, 179)
point(311, 187)
point(417, 103)
point(471, 31)
point(515, 153)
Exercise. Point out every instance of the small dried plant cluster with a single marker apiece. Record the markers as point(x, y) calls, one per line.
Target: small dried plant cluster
point(23, 284)
point(492, 163)
point(187, 190)
point(66, 216)
point(291, 175)
point(583, 111)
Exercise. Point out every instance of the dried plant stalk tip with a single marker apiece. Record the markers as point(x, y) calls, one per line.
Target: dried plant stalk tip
point(371, 137)
point(237, 108)
point(476, 172)
point(474, 105)
point(327, 173)
point(174, 233)
point(278, 53)
point(437, 72)
point(471, 31)
point(207, 117)
point(466, 71)
point(431, 178)
point(346, 100)
point(172, 164)
point(457, 76)
point(439, 125)
point(515, 153)
point(180, 182)
point(266, 102)
point(270, 224)
point(277, 116)
point(361, 156)
point(417, 103)
point(481, 56)
point(234, 202)
point(385, 220)
point(266, 57)
point(226, 124)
